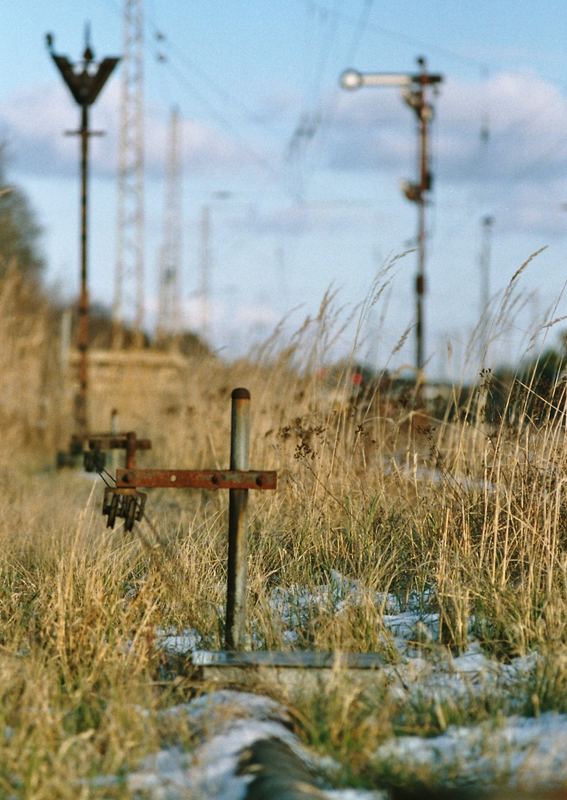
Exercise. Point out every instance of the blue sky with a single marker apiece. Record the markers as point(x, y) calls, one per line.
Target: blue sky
point(305, 214)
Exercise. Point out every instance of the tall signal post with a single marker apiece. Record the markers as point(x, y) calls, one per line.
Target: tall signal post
point(415, 86)
point(85, 81)
point(484, 263)
point(169, 306)
point(129, 272)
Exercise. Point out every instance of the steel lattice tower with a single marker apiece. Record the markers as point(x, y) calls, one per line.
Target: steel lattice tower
point(169, 307)
point(129, 275)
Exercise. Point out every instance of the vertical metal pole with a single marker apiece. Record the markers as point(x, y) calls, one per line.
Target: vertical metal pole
point(113, 432)
point(420, 278)
point(485, 285)
point(423, 113)
point(130, 450)
point(81, 401)
point(85, 86)
point(238, 523)
point(65, 346)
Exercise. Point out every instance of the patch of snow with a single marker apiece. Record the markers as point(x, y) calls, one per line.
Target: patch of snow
point(468, 677)
point(412, 626)
point(163, 775)
point(526, 752)
point(216, 761)
point(177, 643)
point(228, 722)
point(295, 606)
point(211, 770)
point(290, 637)
point(226, 704)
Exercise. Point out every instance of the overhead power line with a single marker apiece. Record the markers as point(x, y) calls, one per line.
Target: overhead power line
point(315, 121)
point(221, 119)
point(400, 36)
point(178, 63)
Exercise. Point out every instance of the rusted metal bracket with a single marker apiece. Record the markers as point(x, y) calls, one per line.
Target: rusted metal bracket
point(95, 456)
point(195, 479)
point(76, 449)
point(94, 446)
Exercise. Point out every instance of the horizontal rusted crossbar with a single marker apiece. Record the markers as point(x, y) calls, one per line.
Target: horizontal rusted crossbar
point(85, 437)
point(116, 442)
point(195, 479)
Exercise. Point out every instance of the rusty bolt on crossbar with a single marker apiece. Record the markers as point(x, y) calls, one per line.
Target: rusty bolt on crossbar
point(126, 502)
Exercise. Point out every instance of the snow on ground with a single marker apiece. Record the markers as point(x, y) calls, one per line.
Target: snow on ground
point(177, 643)
point(409, 628)
point(225, 723)
point(294, 607)
point(228, 722)
point(295, 604)
point(527, 753)
point(514, 749)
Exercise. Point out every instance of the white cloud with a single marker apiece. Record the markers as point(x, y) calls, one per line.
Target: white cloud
point(521, 168)
point(524, 160)
point(33, 122)
point(526, 115)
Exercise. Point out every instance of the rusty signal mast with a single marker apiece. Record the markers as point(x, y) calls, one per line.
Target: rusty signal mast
point(85, 81)
point(415, 86)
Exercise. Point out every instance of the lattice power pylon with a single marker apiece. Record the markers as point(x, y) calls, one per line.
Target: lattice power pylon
point(168, 326)
point(128, 306)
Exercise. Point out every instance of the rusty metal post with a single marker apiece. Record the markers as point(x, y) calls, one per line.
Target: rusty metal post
point(238, 523)
point(131, 446)
point(81, 400)
point(424, 112)
point(487, 223)
point(85, 84)
point(113, 432)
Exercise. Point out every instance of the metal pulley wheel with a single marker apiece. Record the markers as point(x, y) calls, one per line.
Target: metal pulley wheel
point(113, 510)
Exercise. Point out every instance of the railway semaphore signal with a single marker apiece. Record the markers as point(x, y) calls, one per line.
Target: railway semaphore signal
point(415, 86)
point(85, 80)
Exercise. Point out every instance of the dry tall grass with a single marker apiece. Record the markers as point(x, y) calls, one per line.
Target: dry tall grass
point(468, 516)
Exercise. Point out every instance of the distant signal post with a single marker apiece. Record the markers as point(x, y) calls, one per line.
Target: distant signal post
point(414, 86)
point(85, 81)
